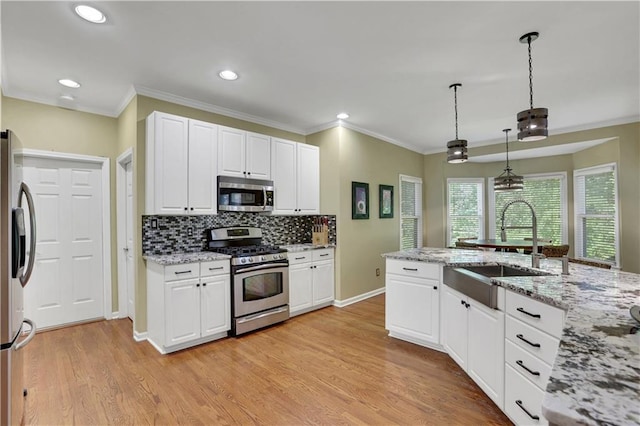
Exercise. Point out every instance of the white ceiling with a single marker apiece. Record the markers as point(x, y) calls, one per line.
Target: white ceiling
point(547, 151)
point(388, 64)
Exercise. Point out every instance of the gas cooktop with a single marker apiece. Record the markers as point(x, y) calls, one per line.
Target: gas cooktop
point(244, 245)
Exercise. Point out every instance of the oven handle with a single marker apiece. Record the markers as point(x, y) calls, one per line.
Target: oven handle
point(262, 315)
point(264, 198)
point(261, 267)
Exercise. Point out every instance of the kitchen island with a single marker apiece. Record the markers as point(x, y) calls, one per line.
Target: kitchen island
point(595, 378)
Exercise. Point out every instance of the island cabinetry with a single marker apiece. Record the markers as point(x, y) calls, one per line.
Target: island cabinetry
point(187, 304)
point(296, 177)
point(311, 280)
point(412, 301)
point(243, 154)
point(473, 335)
point(533, 330)
point(180, 165)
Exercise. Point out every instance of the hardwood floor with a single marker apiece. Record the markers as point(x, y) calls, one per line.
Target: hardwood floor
point(333, 366)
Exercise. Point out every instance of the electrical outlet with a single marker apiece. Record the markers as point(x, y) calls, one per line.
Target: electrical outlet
point(154, 223)
point(190, 231)
point(377, 272)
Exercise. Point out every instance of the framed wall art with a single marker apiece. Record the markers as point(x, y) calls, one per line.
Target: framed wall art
point(359, 200)
point(386, 202)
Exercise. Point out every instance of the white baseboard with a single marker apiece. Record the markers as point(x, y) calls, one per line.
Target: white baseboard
point(139, 337)
point(358, 298)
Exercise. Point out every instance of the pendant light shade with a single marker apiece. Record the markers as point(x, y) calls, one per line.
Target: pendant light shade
point(508, 181)
point(532, 123)
point(457, 148)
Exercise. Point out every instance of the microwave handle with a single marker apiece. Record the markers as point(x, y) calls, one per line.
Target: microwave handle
point(264, 198)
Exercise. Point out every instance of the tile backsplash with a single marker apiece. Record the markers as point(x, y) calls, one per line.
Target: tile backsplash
point(172, 232)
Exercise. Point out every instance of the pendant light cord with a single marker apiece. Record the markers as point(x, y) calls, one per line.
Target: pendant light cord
point(530, 74)
point(507, 143)
point(455, 100)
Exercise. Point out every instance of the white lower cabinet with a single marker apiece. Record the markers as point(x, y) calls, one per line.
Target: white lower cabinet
point(473, 335)
point(311, 280)
point(412, 302)
point(187, 304)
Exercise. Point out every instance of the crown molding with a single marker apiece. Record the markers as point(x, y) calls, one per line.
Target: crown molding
point(131, 93)
point(381, 137)
point(47, 101)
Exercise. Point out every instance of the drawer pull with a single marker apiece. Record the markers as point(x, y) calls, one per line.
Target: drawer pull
point(323, 255)
point(182, 272)
point(299, 258)
point(216, 269)
point(528, 313)
point(535, 345)
point(519, 404)
point(521, 364)
point(411, 269)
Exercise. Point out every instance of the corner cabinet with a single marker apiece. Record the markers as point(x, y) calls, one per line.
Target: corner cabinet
point(187, 304)
point(295, 171)
point(412, 306)
point(243, 154)
point(311, 280)
point(181, 165)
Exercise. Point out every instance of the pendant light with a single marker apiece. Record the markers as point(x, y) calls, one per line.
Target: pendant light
point(508, 181)
point(457, 148)
point(532, 123)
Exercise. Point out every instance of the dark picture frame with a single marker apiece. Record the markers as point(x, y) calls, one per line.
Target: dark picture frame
point(359, 200)
point(386, 201)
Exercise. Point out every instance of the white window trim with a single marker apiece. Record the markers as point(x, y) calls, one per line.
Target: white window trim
point(535, 176)
point(602, 168)
point(482, 202)
point(407, 178)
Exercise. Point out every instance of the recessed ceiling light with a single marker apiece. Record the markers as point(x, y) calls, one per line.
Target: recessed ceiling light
point(228, 75)
point(90, 14)
point(69, 83)
point(342, 116)
point(67, 97)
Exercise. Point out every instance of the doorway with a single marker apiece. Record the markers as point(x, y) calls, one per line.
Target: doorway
point(126, 247)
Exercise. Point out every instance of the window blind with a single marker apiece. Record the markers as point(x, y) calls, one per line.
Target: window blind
point(595, 207)
point(465, 212)
point(410, 212)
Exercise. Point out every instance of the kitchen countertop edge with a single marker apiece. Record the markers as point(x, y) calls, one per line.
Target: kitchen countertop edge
point(181, 258)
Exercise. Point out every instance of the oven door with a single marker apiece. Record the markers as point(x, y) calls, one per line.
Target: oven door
point(261, 287)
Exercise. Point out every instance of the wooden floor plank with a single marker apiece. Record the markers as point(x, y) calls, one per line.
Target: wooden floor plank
point(333, 366)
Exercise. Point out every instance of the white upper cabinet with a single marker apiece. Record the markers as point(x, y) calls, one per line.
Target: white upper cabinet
point(296, 177)
point(180, 165)
point(243, 154)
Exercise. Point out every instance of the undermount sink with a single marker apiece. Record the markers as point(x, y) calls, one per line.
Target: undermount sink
point(475, 281)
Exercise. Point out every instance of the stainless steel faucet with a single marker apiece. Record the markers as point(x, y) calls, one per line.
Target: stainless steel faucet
point(535, 256)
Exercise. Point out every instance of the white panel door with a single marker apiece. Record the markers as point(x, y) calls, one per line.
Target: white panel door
point(67, 282)
point(454, 325)
point(409, 306)
point(258, 154)
point(202, 167)
point(323, 282)
point(283, 172)
point(129, 267)
point(300, 287)
point(182, 315)
point(308, 172)
point(215, 305)
point(231, 151)
point(170, 162)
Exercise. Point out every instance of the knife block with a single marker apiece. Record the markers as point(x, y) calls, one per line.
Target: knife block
point(320, 238)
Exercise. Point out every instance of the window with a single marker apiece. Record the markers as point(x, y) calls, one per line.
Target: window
point(410, 212)
point(465, 208)
point(596, 213)
point(547, 194)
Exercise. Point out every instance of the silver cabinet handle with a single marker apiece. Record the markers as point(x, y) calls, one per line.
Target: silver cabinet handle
point(182, 272)
point(216, 269)
point(32, 333)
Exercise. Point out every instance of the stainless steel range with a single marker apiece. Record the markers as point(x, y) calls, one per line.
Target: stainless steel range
point(259, 277)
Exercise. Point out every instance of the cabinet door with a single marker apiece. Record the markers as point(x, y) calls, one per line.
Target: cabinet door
point(454, 325)
point(215, 305)
point(258, 156)
point(202, 167)
point(300, 287)
point(409, 305)
point(231, 152)
point(283, 173)
point(170, 162)
point(182, 311)
point(323, 287)
point(308, 179)
point(485, 354)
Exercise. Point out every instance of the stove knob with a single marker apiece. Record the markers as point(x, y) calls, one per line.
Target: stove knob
point(263, 258)
point(243, 260)
point(250, 260)
point(277, 256)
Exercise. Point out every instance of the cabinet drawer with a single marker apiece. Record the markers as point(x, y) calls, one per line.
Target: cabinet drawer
point(540, 315)
point(181, 272)
point(413, 269)
point(214, 267)
point(299, 257)
point(532, 340)
point(521, 395)
point(322, 254)
point(527, 365)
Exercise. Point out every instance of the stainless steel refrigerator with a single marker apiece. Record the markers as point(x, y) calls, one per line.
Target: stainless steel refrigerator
point(16, 265)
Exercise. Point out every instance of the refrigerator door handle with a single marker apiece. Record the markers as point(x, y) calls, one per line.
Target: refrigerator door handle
point(32, 333)
point(24, 189)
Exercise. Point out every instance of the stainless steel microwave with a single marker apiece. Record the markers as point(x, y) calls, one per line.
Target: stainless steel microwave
point(245, 195)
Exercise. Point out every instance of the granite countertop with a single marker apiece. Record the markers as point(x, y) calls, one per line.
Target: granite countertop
point(178, 258)
point(306, 246)
point(596, 375)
